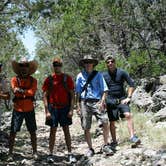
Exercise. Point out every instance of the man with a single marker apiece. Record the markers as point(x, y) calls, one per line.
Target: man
point(117, 100)
point(24, 87)
point(4, 91)
point(58, 101)
point(91, 94)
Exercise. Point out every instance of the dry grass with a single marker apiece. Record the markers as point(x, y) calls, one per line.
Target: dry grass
point(149, 134)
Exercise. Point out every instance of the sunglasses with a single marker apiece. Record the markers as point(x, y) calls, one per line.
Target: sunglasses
point(23, 65)
point(55, 64)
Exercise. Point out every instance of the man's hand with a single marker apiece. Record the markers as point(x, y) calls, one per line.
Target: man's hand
point(78, 110)
point(70, 114)
point(18, 90)
point(102, 105)
point(48, 115)
point(126, 100)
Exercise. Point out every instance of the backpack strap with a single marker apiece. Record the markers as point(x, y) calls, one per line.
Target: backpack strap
point(89, 79)
point(64, 81)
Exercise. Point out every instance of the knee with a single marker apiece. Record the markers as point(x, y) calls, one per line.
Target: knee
point(128, 115)
point(112, 124)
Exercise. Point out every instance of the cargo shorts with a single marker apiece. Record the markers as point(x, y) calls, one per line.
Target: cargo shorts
point(89, 108)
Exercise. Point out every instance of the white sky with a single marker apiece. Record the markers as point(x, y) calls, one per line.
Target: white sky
point(29, 41)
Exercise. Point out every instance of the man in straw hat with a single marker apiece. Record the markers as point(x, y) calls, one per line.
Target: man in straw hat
point(91, 91)
point(58, 91)
point(118, 100)
point(24, 87)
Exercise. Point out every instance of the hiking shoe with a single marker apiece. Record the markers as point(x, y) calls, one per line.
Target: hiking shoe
point(114, 145)
point(135, 140)
point(50, 158)
point(107, 150)
point(35, 156)
point(72, 158)
point(90, 152)
point(10, 158)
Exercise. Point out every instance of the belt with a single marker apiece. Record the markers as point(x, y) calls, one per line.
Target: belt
point(90, 100)
point(55, 105)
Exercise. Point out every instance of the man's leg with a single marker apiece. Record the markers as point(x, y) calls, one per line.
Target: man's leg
point(11, 142)
point(33, 141)
point(52, 139)
point(129, 123)
point(105, 133)
point(113, 131)
point(88, 138)
point(67, 137)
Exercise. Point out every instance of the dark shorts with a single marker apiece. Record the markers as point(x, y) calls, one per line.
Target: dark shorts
point(115, 112)
point(17, 120)
point(59, 116)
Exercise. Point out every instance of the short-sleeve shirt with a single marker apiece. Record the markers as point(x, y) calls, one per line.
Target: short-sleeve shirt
point(25, 103)
point(115, 82)
point(58, 94)
point(95, 88)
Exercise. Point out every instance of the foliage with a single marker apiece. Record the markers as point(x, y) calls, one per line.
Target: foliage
point(74, 28)
point(133, 30)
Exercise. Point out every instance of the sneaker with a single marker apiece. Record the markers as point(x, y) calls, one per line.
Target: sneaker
point(107, 150)
point(90, 152)
point(72, 158)
point(35, 156)
point(135, 140)
point(50, 158)
point(10, 158)
point(114, 145)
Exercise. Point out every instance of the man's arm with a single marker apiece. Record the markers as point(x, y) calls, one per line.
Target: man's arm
point(78, 103)
point(45, 101)
point(102, 104)
point(72, 100)
point(130, 92)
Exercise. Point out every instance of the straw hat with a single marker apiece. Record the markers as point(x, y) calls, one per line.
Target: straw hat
point(88, 58)
point(32, 66)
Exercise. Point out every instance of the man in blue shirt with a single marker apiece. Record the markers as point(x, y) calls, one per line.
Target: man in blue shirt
point(91, 101)
point(117, 100)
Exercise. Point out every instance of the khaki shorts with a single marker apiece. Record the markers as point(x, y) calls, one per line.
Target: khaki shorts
point(91, 108)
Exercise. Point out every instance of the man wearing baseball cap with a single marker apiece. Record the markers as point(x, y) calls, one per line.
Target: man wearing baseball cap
point(58, 90)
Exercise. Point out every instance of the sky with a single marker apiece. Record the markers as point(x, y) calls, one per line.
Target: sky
point(29, 42)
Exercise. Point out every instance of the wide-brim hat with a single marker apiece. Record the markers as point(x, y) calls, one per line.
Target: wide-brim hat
point(32, 65)
point(88, 58)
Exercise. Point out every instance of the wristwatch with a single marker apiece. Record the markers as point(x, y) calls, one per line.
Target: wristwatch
point(129, 97)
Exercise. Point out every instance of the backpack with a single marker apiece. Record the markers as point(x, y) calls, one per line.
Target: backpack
point(64, 82)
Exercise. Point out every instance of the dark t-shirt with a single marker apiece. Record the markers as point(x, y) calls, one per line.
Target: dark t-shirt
point(115, 82)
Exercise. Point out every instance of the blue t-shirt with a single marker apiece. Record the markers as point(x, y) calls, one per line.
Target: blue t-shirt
point(94, 89)
point(115, 83)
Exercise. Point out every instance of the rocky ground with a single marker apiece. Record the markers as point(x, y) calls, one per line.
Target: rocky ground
point(124, 156)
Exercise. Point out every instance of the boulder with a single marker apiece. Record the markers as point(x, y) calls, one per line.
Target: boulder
point(160, 116)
